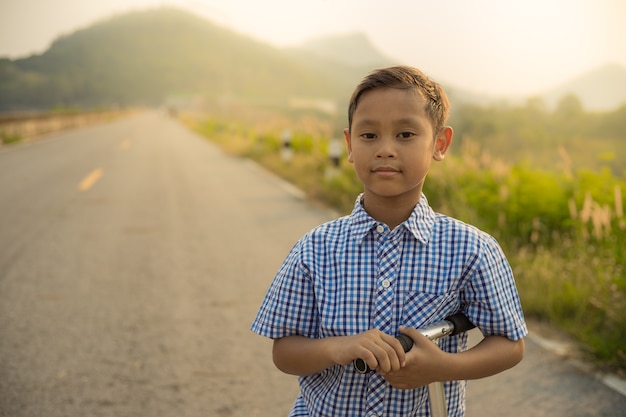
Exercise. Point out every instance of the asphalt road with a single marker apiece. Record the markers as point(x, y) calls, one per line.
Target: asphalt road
point(133, 258)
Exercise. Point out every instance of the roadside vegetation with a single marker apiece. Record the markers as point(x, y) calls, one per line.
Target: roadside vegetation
point(8, 139)
point(20, 126)
point(550, 185)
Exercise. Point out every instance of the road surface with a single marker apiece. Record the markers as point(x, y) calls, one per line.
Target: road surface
point(133, 258)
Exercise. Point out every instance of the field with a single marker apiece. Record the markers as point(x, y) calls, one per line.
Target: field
point(562, 225)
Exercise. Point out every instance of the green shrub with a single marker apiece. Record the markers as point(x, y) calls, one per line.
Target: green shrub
point(8, 139)
point(564, 231)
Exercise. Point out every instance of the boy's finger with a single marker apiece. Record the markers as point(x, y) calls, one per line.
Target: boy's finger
point(395, 353)
point(386, 356)
point(414, 334)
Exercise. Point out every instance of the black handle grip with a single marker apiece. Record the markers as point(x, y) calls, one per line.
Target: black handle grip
point(460, 323)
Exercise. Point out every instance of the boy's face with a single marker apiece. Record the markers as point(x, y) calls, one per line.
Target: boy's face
point(392, 143)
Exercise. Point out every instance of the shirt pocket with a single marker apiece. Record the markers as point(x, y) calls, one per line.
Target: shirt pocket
point(421, 308)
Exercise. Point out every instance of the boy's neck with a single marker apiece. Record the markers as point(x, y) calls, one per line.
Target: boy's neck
point(392, 211)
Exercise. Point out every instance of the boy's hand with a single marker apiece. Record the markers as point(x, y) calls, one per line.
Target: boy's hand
point(381, 351)
point(426, 363)
point(423, 362)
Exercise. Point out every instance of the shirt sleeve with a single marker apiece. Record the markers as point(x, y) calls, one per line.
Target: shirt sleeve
point(491, 299)
point(289, 306)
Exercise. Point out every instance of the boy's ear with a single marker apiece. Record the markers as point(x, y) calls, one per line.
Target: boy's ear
point(346, 134)
point(442, 143)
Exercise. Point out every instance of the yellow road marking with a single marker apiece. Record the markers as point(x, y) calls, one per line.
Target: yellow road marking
point(90, 180)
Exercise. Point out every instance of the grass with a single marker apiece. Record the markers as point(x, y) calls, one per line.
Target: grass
point(8, 139)
point(566, 243)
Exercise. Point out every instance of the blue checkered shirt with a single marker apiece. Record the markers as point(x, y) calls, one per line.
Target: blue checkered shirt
point(353, 274)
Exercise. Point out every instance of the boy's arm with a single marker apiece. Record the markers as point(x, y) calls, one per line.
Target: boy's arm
point(426, 363)
point(299, 355)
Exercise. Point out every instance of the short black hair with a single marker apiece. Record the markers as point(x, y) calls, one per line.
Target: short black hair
point(405, 77)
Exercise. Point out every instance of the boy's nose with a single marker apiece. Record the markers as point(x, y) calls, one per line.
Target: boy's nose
point(386, 149)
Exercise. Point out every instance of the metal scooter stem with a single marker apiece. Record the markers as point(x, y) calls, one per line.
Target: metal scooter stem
point(451, 326)
point(437, 397)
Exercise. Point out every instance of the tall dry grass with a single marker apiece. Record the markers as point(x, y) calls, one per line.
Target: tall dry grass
point(562, 231)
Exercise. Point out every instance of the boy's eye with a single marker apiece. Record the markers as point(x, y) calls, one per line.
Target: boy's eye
point(368, 135)
point(406, 135)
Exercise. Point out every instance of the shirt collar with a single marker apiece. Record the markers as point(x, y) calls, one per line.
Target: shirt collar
point(420, 223)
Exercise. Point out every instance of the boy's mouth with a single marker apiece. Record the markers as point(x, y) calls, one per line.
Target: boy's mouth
point(385, 171)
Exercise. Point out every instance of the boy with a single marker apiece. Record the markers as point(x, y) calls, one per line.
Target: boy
point(349, 286)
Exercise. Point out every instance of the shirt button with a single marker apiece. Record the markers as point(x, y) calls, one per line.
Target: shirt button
point(380, 228)
point(386, 283)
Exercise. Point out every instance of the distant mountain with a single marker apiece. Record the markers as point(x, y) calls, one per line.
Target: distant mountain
point(601, 89)
point(353, 50)
point(144, 57)
point(343, 58)
point(147, 57)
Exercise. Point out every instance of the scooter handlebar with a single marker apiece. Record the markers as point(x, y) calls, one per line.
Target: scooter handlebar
point(451, 326)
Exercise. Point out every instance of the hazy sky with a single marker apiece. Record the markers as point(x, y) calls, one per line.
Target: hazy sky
point(488, 46)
